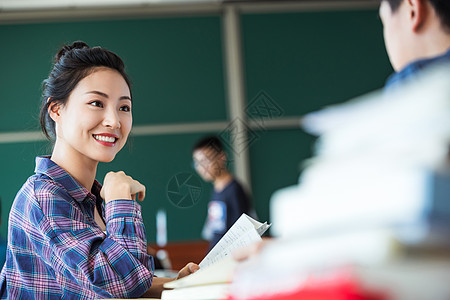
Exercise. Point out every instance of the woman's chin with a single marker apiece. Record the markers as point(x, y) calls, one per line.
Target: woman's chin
point(106, 158)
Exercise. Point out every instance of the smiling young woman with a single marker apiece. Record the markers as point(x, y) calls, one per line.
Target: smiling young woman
point(69, 236)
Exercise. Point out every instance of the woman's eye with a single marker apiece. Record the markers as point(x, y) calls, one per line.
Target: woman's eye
point(96, 103)
point(125, 108)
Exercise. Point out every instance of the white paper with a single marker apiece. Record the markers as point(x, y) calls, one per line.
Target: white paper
point(245, 231)
point(218, 266)
point(220, 272)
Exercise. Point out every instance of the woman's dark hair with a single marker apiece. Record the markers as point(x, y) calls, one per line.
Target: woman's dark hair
point(72, 64)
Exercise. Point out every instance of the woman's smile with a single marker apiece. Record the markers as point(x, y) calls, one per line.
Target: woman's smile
point(106, 139)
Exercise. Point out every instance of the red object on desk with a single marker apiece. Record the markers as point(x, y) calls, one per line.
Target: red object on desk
point(338, 285)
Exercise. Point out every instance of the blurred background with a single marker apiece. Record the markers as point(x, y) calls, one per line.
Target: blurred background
point(245, 70)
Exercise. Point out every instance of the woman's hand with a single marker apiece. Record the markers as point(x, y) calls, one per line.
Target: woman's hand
point(188, 270)
point(158, 282)
point(118, 185)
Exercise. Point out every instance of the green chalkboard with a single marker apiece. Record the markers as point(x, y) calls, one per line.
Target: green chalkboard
point(305, 60)
point(300, 61)
point(175, 65)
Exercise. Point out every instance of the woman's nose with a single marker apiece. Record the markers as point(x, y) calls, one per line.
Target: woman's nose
point(111, 119)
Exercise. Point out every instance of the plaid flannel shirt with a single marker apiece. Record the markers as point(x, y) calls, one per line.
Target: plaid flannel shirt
point(56, 250)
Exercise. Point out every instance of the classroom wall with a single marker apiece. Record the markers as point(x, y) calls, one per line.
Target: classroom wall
point(298, 60)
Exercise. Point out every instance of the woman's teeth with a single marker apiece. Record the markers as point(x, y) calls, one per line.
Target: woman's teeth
point(103, 138)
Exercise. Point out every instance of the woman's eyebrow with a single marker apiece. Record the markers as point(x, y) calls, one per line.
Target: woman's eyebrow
point(106, 95)
point(98, 93)
point(125, 98)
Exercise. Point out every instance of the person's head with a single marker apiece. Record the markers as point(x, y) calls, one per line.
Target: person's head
point(86, 102)
point(209, 158)
point(415, 29)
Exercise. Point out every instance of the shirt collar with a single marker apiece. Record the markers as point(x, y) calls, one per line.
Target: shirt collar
point(44, 165)
point(411, 70)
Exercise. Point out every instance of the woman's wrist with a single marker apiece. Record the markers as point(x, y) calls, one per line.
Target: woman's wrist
point(120, 191)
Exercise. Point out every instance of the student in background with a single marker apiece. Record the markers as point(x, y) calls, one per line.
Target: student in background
point(228, 200)
point(69, 236)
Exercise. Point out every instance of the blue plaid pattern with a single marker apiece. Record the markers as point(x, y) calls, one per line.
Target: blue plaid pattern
point(57, 251)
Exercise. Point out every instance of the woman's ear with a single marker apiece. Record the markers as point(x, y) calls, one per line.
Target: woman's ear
point(54, 110)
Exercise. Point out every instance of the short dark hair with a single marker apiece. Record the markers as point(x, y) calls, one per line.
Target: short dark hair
point(212, 142)
point(72, 63)
point(394, 4)
point(442, 8)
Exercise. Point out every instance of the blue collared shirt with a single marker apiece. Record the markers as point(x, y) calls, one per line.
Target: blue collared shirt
point(411, 70)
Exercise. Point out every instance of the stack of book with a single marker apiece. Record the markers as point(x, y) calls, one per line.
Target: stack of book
point(370, 217)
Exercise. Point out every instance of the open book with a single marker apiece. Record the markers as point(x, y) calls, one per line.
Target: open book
point(218, 265)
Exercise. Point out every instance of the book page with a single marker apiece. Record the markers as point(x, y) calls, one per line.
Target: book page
point(245, 231)
point(220, 272)
point(262, 228)
point(218, 265)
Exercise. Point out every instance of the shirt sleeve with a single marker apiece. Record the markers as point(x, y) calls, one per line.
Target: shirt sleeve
point(111, 265)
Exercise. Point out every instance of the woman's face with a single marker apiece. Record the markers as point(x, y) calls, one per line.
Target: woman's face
point(96, 119)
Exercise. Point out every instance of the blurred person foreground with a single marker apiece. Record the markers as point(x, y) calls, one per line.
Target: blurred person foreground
point(370, 217)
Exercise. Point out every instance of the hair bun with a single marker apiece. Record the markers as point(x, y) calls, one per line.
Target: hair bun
point(67, 48)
